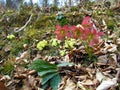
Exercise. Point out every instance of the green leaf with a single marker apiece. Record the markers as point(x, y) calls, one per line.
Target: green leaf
point(54, 42)
point(54, 82)
point(62, 52)
point(42, 65)
point(11, 36)
point(65, 64)
point(42, 44)
point(69, 43)
point(45, 86)
point(47, 77)
point(47, 71)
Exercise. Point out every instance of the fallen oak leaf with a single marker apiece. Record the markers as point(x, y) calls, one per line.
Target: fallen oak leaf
point(113, 60)
point(99, 76)
point(103, 60)
point(81, 86)
point(110, 47)
point(118, 76)
point(2, 86)
point(20, 76)
point(70, 85)
point(87, 82)
point(118, 41)
point(5, 78)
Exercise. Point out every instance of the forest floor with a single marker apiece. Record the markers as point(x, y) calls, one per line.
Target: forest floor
point(22, 30)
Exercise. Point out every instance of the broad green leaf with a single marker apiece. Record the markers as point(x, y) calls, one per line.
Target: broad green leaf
point(47, 71)
point(41, 65)
point(47, 77)
point(65, 64)
point(54, 82)
point(45, 86)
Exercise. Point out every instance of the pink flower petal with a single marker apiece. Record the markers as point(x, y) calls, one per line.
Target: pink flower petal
point(86, 20)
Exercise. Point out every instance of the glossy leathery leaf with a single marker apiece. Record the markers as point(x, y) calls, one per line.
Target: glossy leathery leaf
point(54, 82)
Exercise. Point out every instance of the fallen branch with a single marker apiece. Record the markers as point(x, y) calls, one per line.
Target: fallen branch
point(23, 27)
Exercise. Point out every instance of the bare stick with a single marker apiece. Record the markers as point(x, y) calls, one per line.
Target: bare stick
point(23, 27)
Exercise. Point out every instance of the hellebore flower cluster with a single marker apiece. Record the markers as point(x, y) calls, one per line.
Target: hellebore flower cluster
point(86, 32)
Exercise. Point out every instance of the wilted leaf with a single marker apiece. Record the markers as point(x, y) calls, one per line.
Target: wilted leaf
point(81, 86)
point(24, 55)
point(106, 84)
point(103, 59)
point(66, 58)
point(70, 85)
point(99, 76)
point(88, 82)
point(110, 48)
point(118, 41)
point(113, 60)
point(2, 86)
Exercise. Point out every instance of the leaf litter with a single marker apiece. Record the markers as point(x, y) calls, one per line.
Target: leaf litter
point(103, 74)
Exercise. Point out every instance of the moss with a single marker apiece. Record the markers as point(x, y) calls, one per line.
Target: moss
point(44, 21)
point(74, 19)
point(13, 19)
point(31, 33)
point(7, 68)
point(109, 13)
point(14, 46)
point(74, 8)
point(54, 8)
point(111, 25)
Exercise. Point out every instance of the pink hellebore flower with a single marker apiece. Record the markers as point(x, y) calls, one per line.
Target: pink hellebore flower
point(76, 32)
point(87, 32)
point(61, 32)
point(67, 30)
point(90, 33)
point(88, 24)
point(93, 37)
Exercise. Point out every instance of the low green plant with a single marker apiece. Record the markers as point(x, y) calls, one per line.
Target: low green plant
point(15, 46)
point(69, 43)
point(109, 13)
point(10, 37)
point(111, 24)
point(31, 33)
point(54, 42)
point(42, 44)
point(7, 68)
point(54, 8)
point(74, 8)
point(62, 52)
point(62, 19)
point(48, 72)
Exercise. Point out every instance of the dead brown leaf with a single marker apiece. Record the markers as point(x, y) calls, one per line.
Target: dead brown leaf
point(2, 86)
